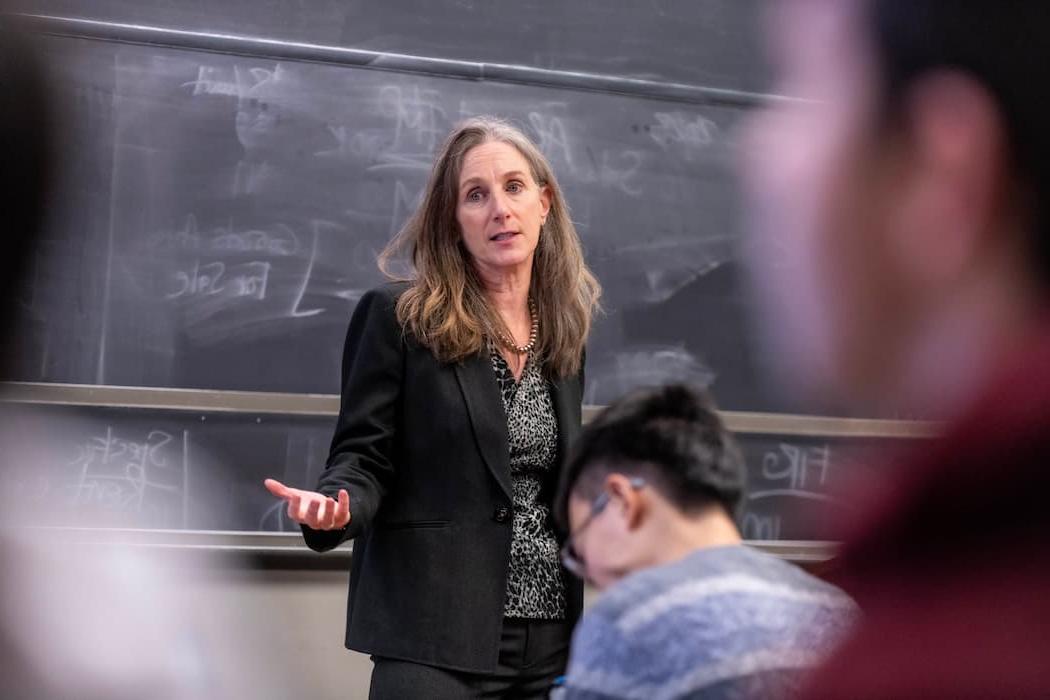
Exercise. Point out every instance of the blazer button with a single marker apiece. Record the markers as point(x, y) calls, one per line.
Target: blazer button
point(501, 514)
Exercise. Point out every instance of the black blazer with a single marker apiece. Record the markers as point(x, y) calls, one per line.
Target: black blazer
point(422, 448)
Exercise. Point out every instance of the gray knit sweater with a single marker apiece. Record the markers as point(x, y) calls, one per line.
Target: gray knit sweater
point(725, 622)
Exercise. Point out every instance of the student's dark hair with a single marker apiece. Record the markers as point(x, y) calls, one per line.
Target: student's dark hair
point(670, 436)
point(1001, 44)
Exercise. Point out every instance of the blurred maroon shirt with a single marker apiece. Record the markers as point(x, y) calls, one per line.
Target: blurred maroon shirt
point(952, 566)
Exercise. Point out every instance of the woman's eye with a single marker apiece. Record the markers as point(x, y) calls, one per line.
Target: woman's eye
point(474, 196)
point(515, 187)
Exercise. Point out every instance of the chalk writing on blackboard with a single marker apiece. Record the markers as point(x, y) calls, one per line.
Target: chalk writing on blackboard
point(791, 485)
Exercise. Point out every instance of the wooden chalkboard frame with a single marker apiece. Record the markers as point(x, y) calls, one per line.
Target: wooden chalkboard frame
point(164, 398)
point(257, 47)
point(285, 550)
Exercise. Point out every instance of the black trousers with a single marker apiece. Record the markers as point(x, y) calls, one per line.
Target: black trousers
point(532, 654)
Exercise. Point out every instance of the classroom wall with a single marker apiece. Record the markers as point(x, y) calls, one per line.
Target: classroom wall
point(307, 610)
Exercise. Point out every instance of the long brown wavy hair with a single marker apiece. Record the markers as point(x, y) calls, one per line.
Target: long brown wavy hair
point(445, 307)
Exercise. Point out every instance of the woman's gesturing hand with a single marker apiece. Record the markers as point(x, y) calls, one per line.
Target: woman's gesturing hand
point(313, 509)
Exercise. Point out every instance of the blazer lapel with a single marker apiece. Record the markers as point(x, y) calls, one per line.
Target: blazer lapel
point(566, 396)
point(487, 416)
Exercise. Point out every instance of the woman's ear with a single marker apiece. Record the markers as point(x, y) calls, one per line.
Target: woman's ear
point(545, 201)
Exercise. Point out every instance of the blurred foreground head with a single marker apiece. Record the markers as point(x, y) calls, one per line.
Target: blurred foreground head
point(77, 620)
point(901, 211)
point(25, 138)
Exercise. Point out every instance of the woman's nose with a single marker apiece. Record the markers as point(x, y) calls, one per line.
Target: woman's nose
point(500, 206)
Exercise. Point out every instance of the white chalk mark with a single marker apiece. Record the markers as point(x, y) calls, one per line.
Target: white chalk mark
point(296, 313)
point(100, 372)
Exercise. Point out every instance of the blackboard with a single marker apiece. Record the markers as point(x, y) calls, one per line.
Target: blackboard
point(220, 215)
point(152, 469)
point(159, 470)
point(809, 488)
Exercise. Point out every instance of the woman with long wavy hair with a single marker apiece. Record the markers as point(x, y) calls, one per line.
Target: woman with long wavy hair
point(462, 391)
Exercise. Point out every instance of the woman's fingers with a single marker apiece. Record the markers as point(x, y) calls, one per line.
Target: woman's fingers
point(277, 488)
point(313, 509)
point(294, 503)
point(341, 517)
point(326, 514)
point(315, 512)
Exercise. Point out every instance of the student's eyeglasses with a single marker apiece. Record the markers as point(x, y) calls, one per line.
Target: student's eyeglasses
point(570, 558)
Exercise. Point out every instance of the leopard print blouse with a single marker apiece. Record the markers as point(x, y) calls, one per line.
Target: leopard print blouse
point(535, 588)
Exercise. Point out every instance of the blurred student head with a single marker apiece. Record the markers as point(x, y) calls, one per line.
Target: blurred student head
point(25, 133)
point(653, 477)
point(76, 619)
point(900, 209)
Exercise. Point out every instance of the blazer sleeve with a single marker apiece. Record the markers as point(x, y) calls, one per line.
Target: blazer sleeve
point(361, 456)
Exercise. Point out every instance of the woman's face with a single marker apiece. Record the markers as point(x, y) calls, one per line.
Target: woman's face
point(500, 208)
